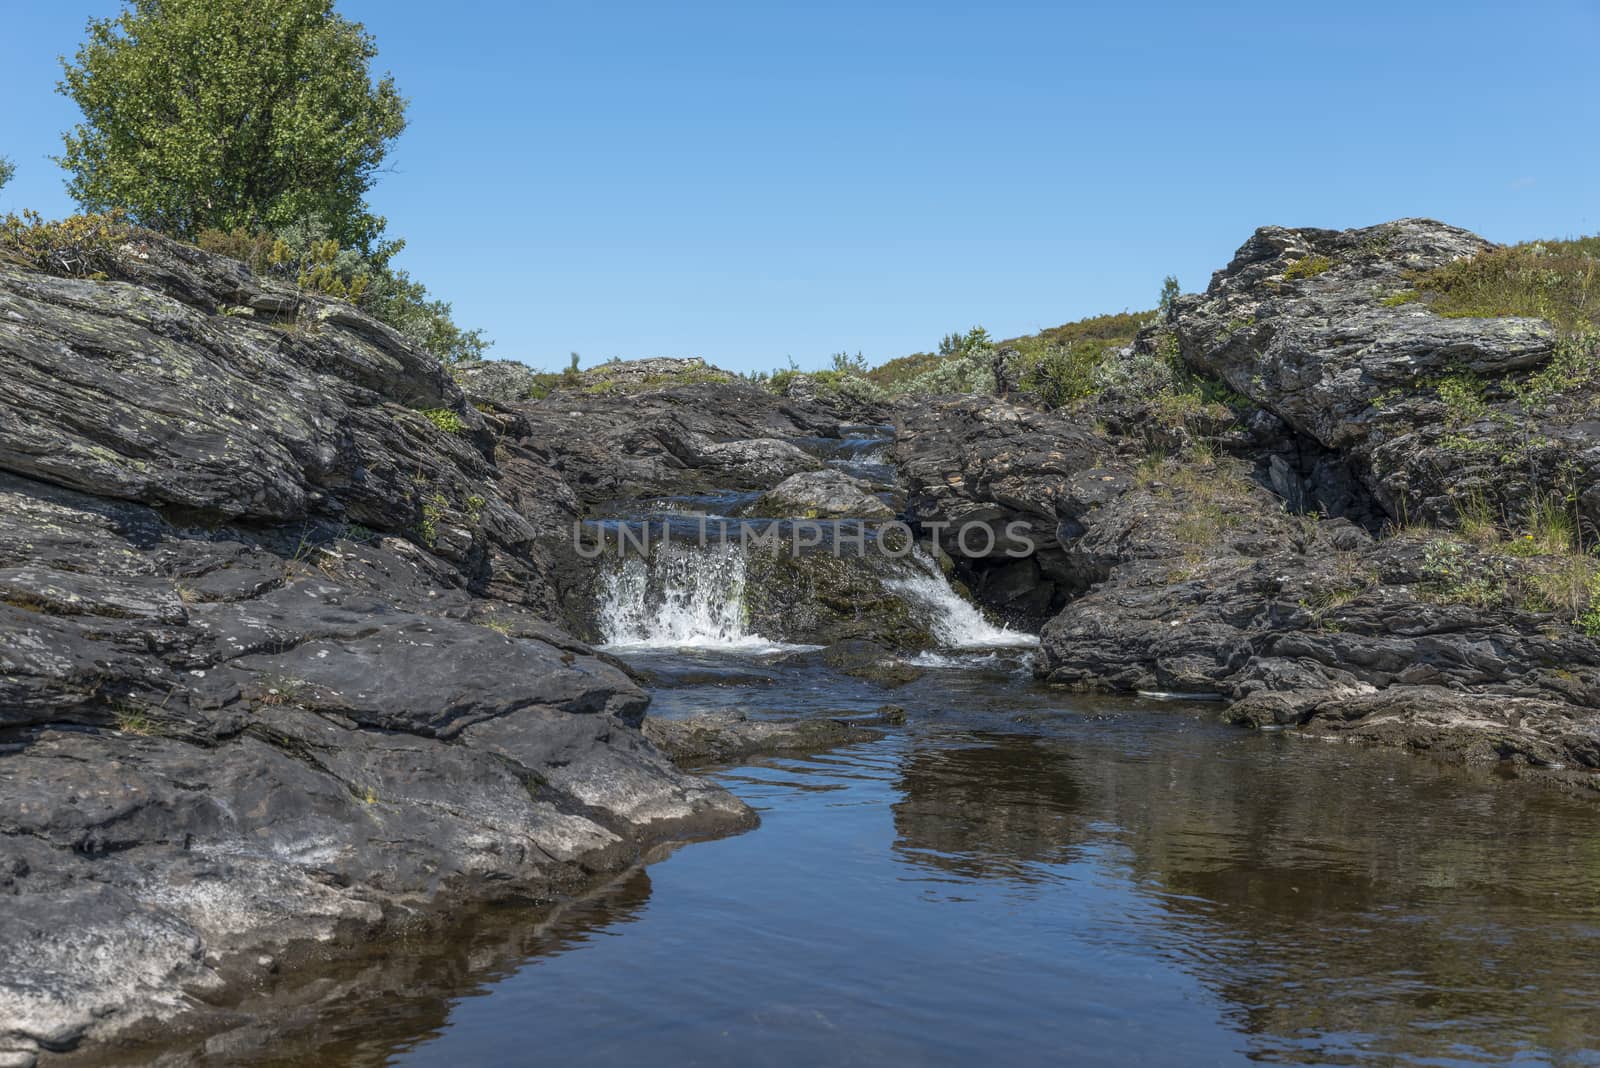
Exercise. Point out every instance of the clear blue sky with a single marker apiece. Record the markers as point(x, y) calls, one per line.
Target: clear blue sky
point(749, 181)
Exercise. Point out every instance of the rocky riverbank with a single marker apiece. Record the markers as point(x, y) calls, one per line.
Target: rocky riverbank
point(284, 662)
point(1357, 517)
point(299, 640)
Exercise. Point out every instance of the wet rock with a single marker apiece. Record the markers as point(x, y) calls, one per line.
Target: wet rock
point(825, 494)
point(818, 598)
point(729, 736)
point(868, 660)
point(1456, 727)
point(990, 479)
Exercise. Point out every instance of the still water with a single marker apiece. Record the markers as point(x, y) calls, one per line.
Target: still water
point(1024, 876)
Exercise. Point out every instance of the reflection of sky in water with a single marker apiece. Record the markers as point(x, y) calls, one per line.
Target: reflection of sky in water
point(1024, 876)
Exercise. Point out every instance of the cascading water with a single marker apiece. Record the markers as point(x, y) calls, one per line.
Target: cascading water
point(678, 597)
point(955, 622)
point(692, 596)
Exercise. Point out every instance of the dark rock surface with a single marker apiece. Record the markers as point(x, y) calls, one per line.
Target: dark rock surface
point(988, 478)
point(279, 670)
point(679, 439)
point(496, 381)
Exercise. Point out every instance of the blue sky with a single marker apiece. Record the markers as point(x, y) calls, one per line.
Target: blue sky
point(753, 181)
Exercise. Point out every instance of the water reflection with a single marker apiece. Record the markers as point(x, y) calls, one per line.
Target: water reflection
point(1008, 807)
point(1024, 876)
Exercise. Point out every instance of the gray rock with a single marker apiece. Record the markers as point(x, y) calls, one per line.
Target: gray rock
point(824, 494)
point(728, 736)
point(498, 381)
point(283, 664)
point(1325, 353)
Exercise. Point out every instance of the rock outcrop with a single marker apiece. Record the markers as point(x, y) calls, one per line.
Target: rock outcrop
point(680, 439)
point(282, 661)
point(1295, 545)
point(988, 480)
point(1425, 407)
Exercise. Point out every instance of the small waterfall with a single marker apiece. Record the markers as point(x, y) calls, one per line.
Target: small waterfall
point(686, 596)
point(955, 622)
point(678, 597)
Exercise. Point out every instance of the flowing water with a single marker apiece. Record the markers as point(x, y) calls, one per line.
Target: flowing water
point(1018, 875)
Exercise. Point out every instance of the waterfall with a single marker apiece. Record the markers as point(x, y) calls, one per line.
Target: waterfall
point(685, 596)
point(678, 597)
point(954, 621)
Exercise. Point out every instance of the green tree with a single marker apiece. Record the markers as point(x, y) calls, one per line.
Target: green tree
point(7, 169)
point(1169, 293)
point(230, 113)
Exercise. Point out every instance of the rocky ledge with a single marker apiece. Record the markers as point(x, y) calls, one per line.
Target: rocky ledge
point(284, 661)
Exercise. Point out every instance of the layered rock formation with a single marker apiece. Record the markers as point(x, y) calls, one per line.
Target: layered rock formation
point(282, 662)
point(289, 617)
point(1295, 547)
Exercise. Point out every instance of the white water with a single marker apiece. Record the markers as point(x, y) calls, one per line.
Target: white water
point(679, 598)
point(955, 622)
point(687, 597)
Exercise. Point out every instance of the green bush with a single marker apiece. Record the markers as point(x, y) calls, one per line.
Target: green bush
point(303, 253)
point(446, 420)
point(1063, 373)
point(1307, 267)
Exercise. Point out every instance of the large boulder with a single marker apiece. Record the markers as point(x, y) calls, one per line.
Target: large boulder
point(1318, 328)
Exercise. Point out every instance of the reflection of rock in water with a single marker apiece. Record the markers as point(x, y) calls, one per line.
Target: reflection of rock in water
point(1362, 894)
point(361, 1011)
point(998, 810)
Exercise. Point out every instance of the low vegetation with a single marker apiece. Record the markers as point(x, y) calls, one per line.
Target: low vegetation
point(1307, 267)
point(1539, 562)
point(82, 246)
point(1554, 280)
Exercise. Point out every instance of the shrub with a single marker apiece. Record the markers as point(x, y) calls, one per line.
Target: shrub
point(305, 254)
point(1574, 366)
point(967, 367)
point(81, 246)
point(1308, 266)
point(1463, 397)
point(446, 420)
point(1062, 373)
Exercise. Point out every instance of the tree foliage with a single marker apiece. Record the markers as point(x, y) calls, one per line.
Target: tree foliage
point(7, 169)
point(225, 114)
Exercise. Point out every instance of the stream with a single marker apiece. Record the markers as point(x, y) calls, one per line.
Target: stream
point(1017, 875)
